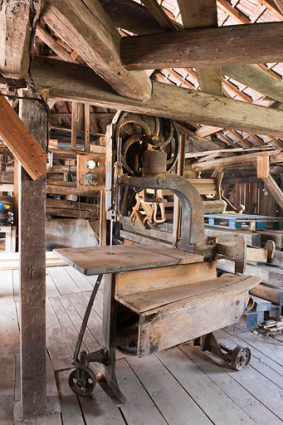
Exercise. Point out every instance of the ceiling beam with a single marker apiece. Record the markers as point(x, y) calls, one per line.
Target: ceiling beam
point(87, 29)
point(159, 14)
point(15, 37)
point(75, 82)
point(200, 14)
point(231, 45)
point(256, 78)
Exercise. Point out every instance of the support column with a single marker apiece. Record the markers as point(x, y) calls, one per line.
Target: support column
point(32, 271)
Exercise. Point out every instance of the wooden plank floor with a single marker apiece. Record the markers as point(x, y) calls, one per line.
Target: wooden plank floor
point(177, 386)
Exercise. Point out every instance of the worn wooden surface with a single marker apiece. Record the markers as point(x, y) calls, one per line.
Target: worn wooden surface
point(88, 30)
point(173, 276)
point(91, 261)
point(191, 48)
point(168, 387)
point(32, 270)
point(15, 36)
point(75, 82)
point(194, 310)
point(21, 142)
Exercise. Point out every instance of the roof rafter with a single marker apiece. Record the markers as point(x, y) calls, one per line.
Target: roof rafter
point(88, 30)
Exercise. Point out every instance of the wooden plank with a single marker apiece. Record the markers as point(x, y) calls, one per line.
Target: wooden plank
point(74, 125)
point(226, 45)
point(240, 396)
point(71, 410)
point(274, 189)
point(63, 281)
point(50, 41)
point(212, 400)
point(167, 326)
point(139, 408)
point(21, 142)
point(166, 392)
point(267, 274)
point(251, 238)
point(118, 258)
point(191, 292)
point(233, 160)
point(164, 277)
point(75, 82)
point(32, 266)
point(87, 29)
point(15, 36)
point(263, 167)
point(87, 126)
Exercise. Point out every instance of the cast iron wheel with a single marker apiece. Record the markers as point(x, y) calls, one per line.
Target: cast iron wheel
point(82, 382)
point(140, 131)
point(240, 357)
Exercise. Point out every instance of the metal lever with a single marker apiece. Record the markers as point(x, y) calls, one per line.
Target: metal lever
point(85, 320)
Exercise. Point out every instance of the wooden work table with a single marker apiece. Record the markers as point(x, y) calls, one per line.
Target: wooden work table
point(120, 258)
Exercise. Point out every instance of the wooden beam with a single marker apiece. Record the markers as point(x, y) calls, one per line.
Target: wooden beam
point(256, 78)
point(87, 29)
point(50, 41)
point(262, 166)
point(20, 141)
point(15, 36)
point(274, 189)
point(240, 159)
point(159, 14)
point(200, 14)
point(76, 82)
point(32, 273)
point(229, 45)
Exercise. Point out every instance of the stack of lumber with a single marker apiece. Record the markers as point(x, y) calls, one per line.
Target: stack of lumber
point(272, 326)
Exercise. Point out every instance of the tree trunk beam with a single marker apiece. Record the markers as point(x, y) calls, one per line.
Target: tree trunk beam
point(15, 36)
point(200, 14)
point(21, 142)
point(86, 28)
point(76, 82)
point(231, 45)
point(256, 78)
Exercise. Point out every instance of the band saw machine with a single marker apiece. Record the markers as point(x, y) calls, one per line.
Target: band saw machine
point(155, 296)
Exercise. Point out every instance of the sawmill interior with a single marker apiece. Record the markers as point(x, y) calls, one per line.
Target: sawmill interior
point(141, 212)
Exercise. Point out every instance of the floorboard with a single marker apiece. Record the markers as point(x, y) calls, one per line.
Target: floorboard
point(178, 386)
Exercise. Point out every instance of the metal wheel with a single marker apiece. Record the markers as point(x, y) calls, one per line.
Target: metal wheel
point(82, 382)
point(137, 132)
point(240, 357)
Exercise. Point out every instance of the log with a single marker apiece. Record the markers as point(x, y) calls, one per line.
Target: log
point(87, 29)
point(15, 36)
point(229, 45)
point(76, 82)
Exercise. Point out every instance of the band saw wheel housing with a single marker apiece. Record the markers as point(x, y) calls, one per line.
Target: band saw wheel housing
point(142, 132)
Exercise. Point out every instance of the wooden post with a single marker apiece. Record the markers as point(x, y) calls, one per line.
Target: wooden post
point(87, 127)
point(32, 272)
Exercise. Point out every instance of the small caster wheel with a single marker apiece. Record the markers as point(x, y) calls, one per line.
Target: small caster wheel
point(82, 382)
point(240, 357)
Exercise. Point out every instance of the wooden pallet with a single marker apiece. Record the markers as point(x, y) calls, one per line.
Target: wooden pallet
point(241, 221)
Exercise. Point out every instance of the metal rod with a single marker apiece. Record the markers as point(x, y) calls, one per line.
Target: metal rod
point(86, 317)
